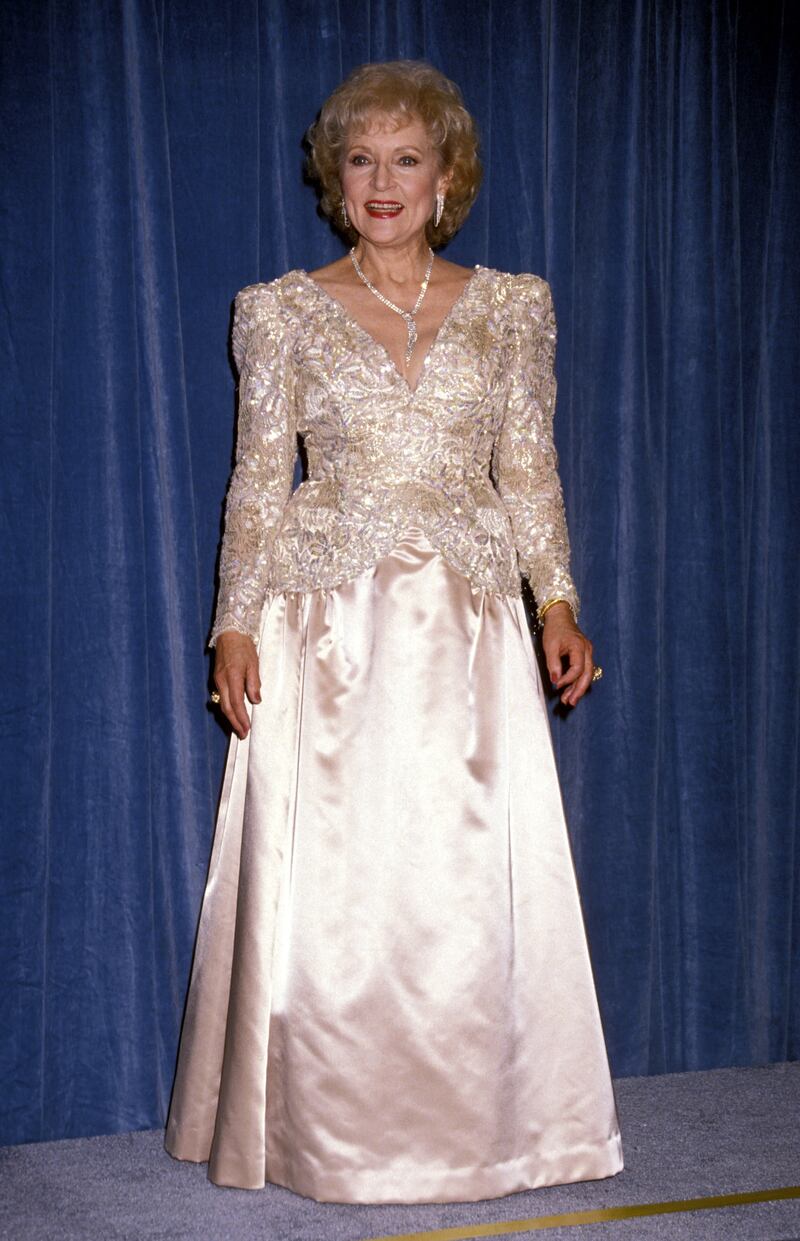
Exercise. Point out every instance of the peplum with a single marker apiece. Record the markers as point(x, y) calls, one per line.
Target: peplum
point(391, 997)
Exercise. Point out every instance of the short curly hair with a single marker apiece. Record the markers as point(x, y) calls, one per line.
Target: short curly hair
point(398, 90)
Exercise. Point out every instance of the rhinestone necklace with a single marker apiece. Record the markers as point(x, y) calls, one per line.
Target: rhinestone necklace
point(408, 315)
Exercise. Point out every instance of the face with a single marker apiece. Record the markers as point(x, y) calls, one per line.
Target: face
point(390, 178)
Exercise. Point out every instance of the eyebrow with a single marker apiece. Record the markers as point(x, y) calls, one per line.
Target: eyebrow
point(406, 146)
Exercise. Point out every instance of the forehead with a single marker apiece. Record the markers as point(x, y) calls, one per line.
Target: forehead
point(381, 130)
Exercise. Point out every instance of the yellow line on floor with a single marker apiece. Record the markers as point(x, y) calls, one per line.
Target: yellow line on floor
point(467, 1232)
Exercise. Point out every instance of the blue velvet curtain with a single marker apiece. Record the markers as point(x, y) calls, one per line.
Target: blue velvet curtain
point(642, 155)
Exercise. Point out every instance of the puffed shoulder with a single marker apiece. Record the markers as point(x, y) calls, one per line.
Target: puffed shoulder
point(263, 293)
point(258, 305)
point(531, 301)
point(532, 290)
point(522, 297)
point(258, 301)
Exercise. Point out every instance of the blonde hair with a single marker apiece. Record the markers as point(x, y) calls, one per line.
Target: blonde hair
point(398, 90)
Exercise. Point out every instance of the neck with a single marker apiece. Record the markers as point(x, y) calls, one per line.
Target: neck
point(401, 267)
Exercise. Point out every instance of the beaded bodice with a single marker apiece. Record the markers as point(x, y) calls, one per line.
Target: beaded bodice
point(467, 455)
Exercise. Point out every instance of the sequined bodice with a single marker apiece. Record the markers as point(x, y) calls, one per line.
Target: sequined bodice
point(467, 455)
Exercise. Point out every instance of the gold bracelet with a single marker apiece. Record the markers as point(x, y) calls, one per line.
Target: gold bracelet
point(548, 603)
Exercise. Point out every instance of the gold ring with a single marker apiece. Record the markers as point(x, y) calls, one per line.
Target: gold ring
point(598, 672)
point(215, 698)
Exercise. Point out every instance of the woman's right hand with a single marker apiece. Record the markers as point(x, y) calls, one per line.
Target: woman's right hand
point(236, 672)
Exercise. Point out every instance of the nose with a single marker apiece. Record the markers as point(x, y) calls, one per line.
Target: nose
point(382, 174)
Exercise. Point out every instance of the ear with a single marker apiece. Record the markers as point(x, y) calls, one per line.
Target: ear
point(444, 181)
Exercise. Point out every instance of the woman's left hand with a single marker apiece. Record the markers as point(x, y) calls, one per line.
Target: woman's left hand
point(561, 638)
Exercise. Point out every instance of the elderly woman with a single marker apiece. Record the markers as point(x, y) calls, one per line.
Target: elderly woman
point(391, 997)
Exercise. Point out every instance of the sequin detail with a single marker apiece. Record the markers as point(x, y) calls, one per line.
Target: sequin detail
point(467, 456)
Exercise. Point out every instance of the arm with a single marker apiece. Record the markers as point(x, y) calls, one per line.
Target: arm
point(525, 467)
point(259, 488)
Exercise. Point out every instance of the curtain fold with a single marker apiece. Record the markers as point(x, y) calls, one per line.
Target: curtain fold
point(640, 155)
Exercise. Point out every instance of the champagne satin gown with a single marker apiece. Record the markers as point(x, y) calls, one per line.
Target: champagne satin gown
point(391, 998)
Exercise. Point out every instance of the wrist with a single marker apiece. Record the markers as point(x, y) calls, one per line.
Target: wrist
point(232, 637)
point(557, 607)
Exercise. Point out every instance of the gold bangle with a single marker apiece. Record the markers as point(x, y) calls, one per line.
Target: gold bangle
point(548, 603)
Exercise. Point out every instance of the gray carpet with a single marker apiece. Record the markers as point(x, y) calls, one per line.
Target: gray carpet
point(685, 1135)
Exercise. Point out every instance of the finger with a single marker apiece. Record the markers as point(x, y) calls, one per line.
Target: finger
point(568, 696)
point(253, 681)
point(575, 653)
point(584, 681)
point(581, 685)
point(231, 690)
point(553, 650)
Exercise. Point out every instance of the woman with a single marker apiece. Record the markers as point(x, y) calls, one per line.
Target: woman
point(391, 998)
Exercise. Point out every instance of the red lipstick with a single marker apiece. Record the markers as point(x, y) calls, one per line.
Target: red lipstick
point(383, 208)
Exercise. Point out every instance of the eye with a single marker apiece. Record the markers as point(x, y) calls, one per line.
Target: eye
point(358, 159)
point(409, 160)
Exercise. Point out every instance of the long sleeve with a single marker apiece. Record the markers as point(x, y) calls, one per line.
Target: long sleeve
point(525, 463)
point(266, 448)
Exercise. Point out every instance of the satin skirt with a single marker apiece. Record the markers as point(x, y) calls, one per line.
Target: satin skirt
point(391, 998)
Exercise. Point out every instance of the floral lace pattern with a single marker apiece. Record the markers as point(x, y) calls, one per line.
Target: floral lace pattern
point(467, 456)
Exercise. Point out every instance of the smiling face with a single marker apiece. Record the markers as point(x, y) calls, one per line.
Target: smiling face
point(390, 178)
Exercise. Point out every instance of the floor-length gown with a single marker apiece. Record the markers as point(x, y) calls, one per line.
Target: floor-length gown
point(391, 998)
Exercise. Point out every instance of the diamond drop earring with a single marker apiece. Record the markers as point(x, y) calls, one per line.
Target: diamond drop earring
point(345, 217)
point(437, 214)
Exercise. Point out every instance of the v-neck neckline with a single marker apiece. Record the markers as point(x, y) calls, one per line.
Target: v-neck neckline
point(351, 319)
